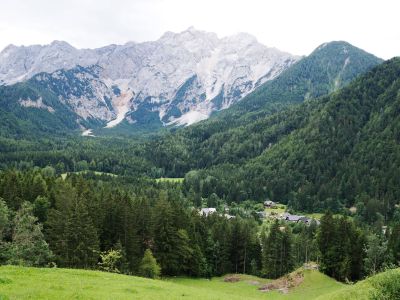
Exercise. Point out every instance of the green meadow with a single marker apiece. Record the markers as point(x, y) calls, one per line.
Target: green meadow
point(55, 283)
point(171, 180)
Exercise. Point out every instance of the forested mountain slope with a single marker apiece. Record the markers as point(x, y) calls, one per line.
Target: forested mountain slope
point(244, 130)
point(328, 68)
point(53, 104)
point(342, 149)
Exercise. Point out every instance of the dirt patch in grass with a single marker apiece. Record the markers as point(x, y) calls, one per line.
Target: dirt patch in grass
point(232, 278)
point(285, 283)
point(253, 282)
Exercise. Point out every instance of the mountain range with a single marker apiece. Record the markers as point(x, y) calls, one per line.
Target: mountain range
point(179, 79)
point(321, 134)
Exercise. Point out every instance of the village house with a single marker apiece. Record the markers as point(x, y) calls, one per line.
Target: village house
point(294, 218)
point(297, 219)
point(211, 210)
point(269, 204)
point(207, 211)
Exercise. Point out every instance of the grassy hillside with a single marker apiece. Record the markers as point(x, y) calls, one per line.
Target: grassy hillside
point(314, 285)
point(382, 286)
point(35, 283)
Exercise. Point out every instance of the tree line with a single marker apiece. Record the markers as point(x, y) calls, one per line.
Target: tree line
point(146, 228)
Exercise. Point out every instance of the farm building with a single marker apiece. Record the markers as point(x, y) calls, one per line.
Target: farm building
point(207, 211)
point(269, 204)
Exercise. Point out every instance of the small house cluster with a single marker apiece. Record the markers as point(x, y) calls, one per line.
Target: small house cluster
point(297, 219)
point(284, 216)
point(211, 210)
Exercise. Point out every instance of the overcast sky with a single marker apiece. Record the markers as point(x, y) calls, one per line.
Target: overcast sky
point(296, 26)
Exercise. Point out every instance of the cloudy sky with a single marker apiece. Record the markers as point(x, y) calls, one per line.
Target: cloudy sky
point(296, 26)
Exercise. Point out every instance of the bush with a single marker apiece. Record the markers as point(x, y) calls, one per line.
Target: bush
point(110, 260)
point(387, 286)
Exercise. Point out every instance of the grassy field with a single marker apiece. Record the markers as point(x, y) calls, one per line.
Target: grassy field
point(172, 180)
point(314, 285)
point(281, 208)
point(35, 283)
point(64, 175)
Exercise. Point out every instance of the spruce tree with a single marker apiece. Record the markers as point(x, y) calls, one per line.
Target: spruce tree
point(82, 239)
point(148, 266)
point(3, 218)
point(394, 243)
point(72, 234)
point(277, 257)
point(28, 247)
point(165, 237)
point(327, 243)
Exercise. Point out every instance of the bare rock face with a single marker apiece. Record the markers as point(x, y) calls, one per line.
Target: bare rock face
point(183, 77)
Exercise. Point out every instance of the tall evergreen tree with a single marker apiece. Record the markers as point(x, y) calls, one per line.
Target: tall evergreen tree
point(277, 257)
point(341, 245)
point(165, 237)
point(82, 239)
point(4, 222)
point(394, 243)
point(72, 234)
point(28, 246)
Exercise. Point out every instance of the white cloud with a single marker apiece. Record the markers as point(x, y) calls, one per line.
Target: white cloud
point(294, 26)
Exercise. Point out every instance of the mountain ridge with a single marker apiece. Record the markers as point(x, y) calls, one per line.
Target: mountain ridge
point(225, 70)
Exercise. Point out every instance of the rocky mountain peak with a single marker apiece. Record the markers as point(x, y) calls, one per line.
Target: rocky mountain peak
point(183, 77)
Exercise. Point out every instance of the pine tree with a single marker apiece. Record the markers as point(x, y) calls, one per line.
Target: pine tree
point(327, 243)
point(220, 245)
point(4, 223)
point(394, 243)
point(28, 246)
point(82, 239)
point(171, 242)
point(277, 258)
point(72, 234)
point(38, 187)
point(40, 208)
point(183, 251)
point(165, 237)
point(143, 224)
point(148, 266)
point(341, 246)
